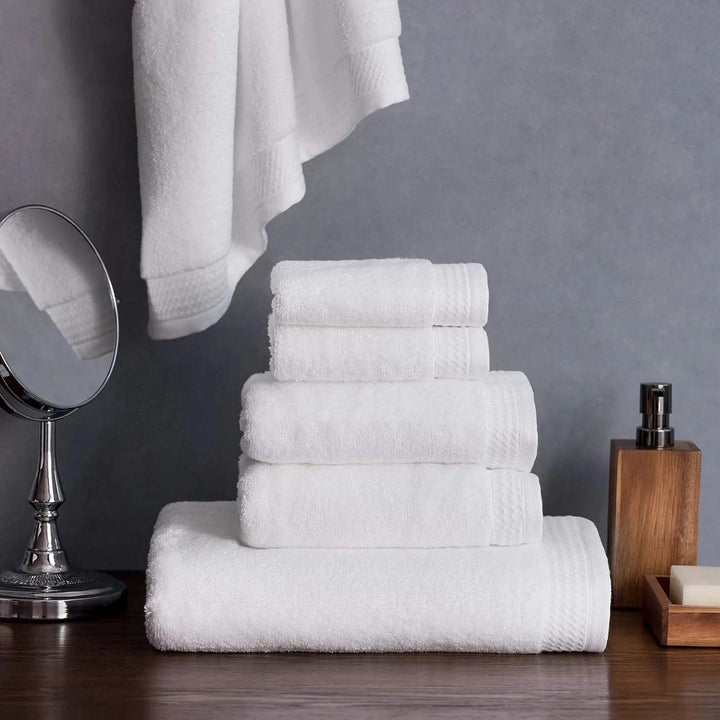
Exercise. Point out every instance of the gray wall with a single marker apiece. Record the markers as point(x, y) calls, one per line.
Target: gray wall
point(571, 146)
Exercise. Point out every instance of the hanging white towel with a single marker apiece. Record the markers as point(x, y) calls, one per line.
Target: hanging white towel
point(205, 591)
point(231, 97)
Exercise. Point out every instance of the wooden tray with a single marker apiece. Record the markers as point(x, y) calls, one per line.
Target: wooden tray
point(671, 624)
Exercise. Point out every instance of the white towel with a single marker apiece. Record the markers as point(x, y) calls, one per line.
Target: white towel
point(231, 97)
point(490, 422)
point(414, 505)
point(393, 292)
point(207, 592)
point(44, 255)
point(306, 353)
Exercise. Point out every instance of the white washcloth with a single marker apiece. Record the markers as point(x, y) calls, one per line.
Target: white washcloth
point(207, 592)
point(490, 422)
point(390, 506)
point(44, 255)
point(306, 353)
point(393, 292)
point(231, 97)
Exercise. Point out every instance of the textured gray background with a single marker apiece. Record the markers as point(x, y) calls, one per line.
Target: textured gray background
point(573, 147)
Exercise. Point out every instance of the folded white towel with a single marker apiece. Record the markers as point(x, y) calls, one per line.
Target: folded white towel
point(207, 592)
point(390, 506)
point(490, 422)
point(231, 97)
point(306, 353)
point(394, 292)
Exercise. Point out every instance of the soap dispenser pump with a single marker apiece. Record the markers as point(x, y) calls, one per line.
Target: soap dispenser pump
point(654, 499)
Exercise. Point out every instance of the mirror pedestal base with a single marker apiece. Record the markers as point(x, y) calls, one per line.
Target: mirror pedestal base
point(58, 596)
point(44, 587)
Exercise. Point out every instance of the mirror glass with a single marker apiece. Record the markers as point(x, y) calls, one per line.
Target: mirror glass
point(58, 319)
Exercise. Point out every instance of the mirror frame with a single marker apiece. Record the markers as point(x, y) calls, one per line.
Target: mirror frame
point(14, 396)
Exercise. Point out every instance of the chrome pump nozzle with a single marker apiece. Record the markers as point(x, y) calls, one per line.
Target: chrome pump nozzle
point(655, 406)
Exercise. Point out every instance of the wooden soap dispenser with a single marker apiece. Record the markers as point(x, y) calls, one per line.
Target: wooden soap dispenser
point(654, 499)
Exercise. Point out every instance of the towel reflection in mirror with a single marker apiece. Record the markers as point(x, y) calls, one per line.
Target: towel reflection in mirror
point(40, 255)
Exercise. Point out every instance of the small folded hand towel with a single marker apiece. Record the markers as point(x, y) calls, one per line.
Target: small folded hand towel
point(305, 353)
point(490, 422)
point(548, 596)
point(390, 506)
point(394, 292)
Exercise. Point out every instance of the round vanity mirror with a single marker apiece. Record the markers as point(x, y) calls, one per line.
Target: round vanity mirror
point(58, 318)
point(58, 344)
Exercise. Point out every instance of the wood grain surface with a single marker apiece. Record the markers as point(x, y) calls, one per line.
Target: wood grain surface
point(685, 625)
point(652, 514)
point(106, 669)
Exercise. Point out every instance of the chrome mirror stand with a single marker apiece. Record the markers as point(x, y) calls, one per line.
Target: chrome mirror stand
point(45, 587)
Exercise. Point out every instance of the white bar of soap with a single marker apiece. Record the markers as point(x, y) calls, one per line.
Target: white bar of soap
point(695, 585)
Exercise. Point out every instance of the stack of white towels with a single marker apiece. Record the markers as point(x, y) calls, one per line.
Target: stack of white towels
point(385, 499)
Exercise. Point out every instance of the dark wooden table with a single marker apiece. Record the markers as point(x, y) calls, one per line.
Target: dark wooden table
point(105, 669)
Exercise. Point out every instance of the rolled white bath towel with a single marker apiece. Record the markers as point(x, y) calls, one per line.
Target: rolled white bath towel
point(305, 353)
point(551, 595)
point(490, 422)
point(393, 292)
point(390, 506)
